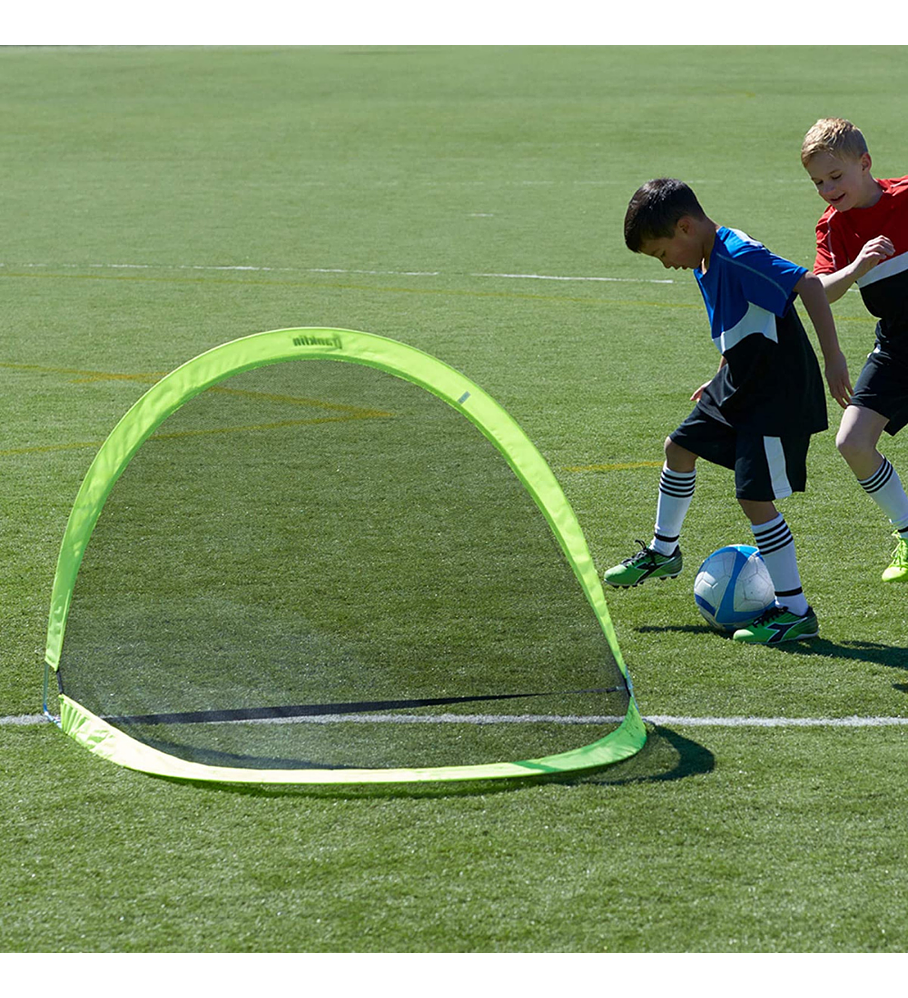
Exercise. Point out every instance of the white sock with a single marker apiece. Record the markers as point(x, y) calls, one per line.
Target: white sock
point(676, 489)
point(777, 548)
point(885, 488)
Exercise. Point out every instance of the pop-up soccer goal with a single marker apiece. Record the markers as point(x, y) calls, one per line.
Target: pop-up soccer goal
point(323, 556)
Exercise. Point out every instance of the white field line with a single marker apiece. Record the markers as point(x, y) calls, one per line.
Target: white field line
point(661, 720)
point(247, 268)
point(551, 277)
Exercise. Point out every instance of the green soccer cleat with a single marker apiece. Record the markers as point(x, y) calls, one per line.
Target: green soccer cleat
point(898, 570)
point(645, 564)
point(778, 624)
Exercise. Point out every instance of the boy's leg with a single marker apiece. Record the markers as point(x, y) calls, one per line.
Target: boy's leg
point(791, 619)
point(776, 546)
point(859, 433)
point(676, 489)
point(775, 467)
point(662, 559)
point(857, 440)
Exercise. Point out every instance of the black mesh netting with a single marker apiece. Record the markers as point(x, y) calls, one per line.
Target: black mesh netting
point(317, 564)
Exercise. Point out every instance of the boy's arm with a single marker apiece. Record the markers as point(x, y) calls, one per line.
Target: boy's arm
point(872, 253)
point(813, 294)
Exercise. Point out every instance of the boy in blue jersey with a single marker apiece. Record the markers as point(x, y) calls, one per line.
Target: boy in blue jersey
point(757, 414)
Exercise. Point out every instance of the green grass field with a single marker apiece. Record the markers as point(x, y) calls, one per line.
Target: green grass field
point(468, 201)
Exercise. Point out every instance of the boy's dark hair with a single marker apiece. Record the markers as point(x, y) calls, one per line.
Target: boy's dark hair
point(655, 210)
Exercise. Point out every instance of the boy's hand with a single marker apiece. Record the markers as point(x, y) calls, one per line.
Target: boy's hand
point(837, 378)
point(696, 396)
point(813, 295)
point(872, 253)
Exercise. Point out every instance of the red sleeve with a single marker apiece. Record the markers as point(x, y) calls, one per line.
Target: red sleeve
point(826, 253)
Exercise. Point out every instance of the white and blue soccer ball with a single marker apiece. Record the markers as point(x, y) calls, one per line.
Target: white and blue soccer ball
point(733, 587)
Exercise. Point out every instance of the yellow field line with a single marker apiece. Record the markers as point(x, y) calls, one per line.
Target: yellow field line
point(279, 424)
point(50, 448)
point(84, 376)
point(354, 410)
point(348, 412)
point(614, 467)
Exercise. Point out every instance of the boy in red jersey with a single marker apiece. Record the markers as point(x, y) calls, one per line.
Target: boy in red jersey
point(862, 239)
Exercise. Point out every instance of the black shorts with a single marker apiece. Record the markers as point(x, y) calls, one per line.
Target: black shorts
point(883, 387)
point(765, 468)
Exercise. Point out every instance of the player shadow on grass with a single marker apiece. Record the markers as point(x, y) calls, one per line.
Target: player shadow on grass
point(894, 656)
point(861, 651)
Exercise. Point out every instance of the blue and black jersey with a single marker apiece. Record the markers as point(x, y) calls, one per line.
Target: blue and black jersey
point(771, 382)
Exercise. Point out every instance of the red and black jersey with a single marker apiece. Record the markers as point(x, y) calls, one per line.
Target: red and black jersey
point(841, 235)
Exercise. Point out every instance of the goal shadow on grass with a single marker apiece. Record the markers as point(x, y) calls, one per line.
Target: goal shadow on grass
point(666, 756)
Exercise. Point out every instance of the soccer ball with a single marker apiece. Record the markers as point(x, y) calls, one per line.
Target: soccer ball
point(733, 587)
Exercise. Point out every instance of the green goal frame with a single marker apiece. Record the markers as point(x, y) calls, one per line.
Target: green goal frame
point(399, 360)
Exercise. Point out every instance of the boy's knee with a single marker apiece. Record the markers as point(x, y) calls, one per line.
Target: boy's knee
point(859, 434)
point(848, 443)
point(844, 441)
point(758, 511)
point(677, 457)
point(858, 448)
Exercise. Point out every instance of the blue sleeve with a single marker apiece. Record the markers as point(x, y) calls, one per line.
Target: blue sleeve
point(765, 279)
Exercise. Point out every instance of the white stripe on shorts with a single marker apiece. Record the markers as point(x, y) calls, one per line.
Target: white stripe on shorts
point(775, 461)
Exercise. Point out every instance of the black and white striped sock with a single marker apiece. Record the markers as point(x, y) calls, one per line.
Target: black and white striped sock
point(777, 548)
point(676, 489)
point(885, 488)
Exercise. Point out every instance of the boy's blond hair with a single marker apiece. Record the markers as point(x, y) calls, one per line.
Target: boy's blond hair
point(835, 136)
